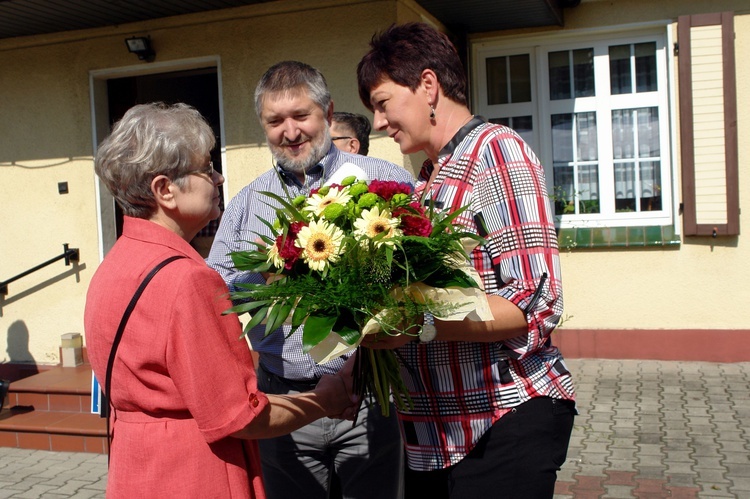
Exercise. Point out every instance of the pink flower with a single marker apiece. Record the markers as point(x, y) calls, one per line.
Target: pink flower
point(386, 189)
point(414, 222)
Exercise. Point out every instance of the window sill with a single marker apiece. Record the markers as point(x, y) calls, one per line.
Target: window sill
point(617, 237)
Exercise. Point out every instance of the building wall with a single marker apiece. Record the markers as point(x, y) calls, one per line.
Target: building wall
point(622, 299)
point(48, 132)
point(653, 302)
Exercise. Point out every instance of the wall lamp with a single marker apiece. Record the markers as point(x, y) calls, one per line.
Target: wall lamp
point(141, 46)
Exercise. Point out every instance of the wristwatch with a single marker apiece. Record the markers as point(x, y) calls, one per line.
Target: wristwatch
point(428, 328)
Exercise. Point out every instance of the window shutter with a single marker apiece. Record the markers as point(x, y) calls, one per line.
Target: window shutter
point(708, 125)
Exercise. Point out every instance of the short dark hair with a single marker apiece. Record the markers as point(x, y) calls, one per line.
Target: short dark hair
point(402, 52)
point(360, 125)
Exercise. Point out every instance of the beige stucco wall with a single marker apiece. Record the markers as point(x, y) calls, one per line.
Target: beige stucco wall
point(700, 284)
point(47, 136)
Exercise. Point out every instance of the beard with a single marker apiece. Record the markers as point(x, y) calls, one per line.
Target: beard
point(318, 149)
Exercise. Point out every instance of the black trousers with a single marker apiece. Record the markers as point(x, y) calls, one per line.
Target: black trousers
point(517, 458)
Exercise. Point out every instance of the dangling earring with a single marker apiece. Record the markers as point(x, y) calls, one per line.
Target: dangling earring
point(432, 112)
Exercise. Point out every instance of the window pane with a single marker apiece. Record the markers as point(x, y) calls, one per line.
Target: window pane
point(619, 69)
point(562, 163)
point(520, 78)
point(650, 186)
point(623, 138)
point(562, 138)
point(583, 71)
point(559, 75)
point(500, 121)
point(586, 137)
point(588, 189)
point(637, 184)
point(648, 132)
point(576, 172)
point(497, 81)
point(564, 188)
point(588, 175)
point(645, 67)
point(624, 187)
point(523, 125)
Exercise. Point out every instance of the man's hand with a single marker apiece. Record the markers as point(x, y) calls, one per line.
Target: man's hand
point(336, 391)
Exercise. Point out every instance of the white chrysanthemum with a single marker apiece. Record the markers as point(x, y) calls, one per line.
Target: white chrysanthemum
point(274, 257)
point(317, 202)
point(373, 223)
point(321, 244)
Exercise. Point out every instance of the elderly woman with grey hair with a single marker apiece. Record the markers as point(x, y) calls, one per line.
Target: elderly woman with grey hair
point(186, 407)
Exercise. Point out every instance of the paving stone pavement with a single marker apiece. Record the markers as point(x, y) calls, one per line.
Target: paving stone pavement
point(653, 429)
point(646, 429)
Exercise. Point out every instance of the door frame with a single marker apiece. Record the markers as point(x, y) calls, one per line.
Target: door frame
point(105, 203)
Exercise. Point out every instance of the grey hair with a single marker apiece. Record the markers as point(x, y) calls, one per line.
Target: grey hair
point(288, 76)
point(150, 140)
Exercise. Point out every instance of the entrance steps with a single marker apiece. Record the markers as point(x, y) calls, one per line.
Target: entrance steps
point(51, 411)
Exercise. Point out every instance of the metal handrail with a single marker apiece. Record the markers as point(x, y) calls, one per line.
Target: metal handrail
point(69, 254)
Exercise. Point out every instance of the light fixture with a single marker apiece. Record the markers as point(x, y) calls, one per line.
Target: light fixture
point(141, 46)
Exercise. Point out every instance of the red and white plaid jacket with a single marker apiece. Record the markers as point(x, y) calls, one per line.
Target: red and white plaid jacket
point(460, 389)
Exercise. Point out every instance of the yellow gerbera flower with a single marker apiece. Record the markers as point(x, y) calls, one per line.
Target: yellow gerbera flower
point(318, 202)
point(373, 223)
point(320, 243)
point(274, 257)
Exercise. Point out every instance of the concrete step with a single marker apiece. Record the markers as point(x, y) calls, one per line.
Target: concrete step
point(51, 411)
point(65, 389)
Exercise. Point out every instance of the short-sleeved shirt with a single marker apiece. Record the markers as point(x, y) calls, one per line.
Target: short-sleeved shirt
point(183, 381)
point(279, 353)
point(460, 389)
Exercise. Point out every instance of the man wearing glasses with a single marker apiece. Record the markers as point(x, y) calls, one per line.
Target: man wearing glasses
point(351, 132)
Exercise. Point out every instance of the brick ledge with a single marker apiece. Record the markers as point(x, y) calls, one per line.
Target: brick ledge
point(708, 345)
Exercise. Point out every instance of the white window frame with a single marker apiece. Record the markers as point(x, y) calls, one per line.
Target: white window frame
point(541, 109)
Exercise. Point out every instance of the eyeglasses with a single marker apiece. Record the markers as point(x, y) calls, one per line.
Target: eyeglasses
point(206, 170)
point(341, 138)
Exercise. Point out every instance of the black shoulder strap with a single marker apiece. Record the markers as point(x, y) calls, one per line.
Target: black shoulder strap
point(104, 403)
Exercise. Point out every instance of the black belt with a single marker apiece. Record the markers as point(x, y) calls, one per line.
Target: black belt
point(298, 385)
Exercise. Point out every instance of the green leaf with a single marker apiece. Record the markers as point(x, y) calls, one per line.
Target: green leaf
point(246, 307)
point(256, 319)
point(443, 224)
point(296, 214)
point(270, 227)
point(278, 315)
point(254, 261)
point(317, 327)
point(446, 278)
point(388, 255)
point(349, 334)
point(298, 317)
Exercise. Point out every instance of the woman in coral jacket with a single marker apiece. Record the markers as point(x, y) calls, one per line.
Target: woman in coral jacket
point(186, 408)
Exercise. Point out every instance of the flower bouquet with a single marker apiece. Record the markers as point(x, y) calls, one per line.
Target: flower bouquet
point(352, 259)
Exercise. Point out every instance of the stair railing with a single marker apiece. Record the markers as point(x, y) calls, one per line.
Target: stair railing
point(69, 254)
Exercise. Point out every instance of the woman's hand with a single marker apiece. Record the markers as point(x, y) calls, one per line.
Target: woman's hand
point(382, 341)
point(405, 332)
